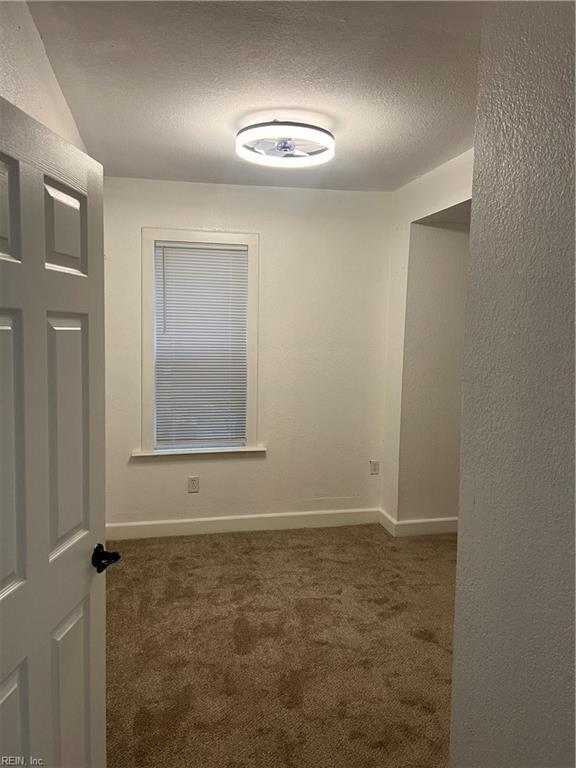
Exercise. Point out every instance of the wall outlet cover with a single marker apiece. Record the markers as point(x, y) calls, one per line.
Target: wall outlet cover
point(374, 467)
point(193, 484)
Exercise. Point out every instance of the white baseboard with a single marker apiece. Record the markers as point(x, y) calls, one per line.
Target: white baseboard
point(233, 523)
point(280, 521)
point(417, 527)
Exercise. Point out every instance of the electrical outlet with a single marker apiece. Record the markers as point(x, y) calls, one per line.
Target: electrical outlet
point(374, 467)
point(193, 484)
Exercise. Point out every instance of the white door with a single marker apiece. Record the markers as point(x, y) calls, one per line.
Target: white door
point(52, 656)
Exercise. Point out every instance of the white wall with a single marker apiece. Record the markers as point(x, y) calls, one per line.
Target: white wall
point(429, 476)
point(513, 682)
point(27, 79)
point(323, 289)
point(447, 185)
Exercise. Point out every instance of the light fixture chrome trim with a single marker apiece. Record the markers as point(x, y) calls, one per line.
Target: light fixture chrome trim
point(285, 144)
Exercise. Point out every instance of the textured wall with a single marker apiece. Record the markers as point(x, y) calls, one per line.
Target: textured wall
point(432, 375)
point(26, 76)
point(513, 684)
point(321, 351)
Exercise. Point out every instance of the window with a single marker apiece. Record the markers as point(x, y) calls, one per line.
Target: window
point(200, 306)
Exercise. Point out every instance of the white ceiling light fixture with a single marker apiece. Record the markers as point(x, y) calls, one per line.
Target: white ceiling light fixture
point(285, 144)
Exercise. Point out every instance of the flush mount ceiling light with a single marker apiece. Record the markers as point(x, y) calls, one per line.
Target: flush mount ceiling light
point(285, 144)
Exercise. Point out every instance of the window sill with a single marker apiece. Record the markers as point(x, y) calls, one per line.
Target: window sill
point(139, 454)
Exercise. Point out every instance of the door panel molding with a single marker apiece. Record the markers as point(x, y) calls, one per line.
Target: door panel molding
point(52, 602)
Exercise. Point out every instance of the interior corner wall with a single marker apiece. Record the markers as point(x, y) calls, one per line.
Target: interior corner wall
point(27, 79)
point(321, 357)
point(447, 185)
point(513, 675)
point(429, 476)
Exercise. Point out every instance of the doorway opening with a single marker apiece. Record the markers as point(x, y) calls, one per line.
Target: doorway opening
point(429, 472)
point(317, 648)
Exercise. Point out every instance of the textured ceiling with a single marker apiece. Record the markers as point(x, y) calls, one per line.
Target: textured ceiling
point(158, 89)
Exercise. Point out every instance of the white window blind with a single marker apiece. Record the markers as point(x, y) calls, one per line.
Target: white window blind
point(200, 344)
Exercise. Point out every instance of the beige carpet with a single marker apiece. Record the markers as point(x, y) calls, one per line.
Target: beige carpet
point(320, 648)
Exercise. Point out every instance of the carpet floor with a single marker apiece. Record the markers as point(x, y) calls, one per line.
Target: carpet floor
point(315, 648)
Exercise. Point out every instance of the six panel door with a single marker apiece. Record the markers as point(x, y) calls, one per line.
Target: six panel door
point(52, 659)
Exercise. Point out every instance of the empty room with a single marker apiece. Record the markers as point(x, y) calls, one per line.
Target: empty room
point(286, 384)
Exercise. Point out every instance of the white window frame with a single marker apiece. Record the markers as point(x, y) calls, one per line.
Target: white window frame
point(149, 237)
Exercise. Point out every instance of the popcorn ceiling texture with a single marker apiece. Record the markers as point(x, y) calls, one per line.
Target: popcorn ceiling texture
point(159, 89)
point(313, 648)
point(513, 646)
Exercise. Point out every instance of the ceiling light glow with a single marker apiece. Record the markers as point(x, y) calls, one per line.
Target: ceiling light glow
point(285, 144)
